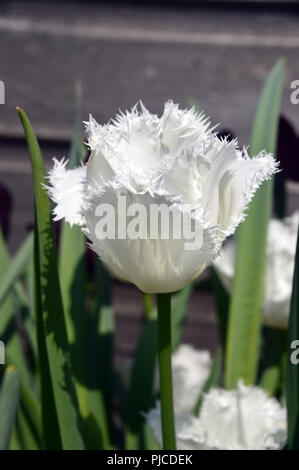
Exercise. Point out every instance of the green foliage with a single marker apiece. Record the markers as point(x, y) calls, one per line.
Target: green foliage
point(244, 326)
point(59, 403)
point(9, 402)
point(141, 393)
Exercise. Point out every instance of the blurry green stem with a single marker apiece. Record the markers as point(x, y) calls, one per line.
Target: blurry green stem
point(148, 304)
point(167, 415)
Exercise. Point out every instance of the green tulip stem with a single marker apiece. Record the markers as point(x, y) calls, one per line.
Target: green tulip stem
point(166, 397)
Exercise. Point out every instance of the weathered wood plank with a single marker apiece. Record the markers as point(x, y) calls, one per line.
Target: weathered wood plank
point(122, 54)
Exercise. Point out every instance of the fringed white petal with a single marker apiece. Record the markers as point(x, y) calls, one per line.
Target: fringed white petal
point(127, 148)
point(66, 188)
point(238, 186)
point(138, 148)
point(241, 419)
point(183, 129)
point(230, 179)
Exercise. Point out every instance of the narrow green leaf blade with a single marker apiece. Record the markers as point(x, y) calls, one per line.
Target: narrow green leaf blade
point(59, 402)
point(179, 306)
point(222, 301)
point(31, 410)
point(212, 380)
point(272, 360)
point(9, 402)
point(101, 356)
point(24, 434)
point(140, 397)
point(9, 310)
point(16, 267)
point(77, 150)
point(72, 275)
point(245, 309)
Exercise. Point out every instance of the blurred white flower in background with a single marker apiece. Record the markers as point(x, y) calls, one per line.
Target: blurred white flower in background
point(280, 261)
point(245, 418)
point(173, 160)
point(190, 370)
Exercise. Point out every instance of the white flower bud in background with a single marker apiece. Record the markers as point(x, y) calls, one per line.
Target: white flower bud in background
point(280, 261)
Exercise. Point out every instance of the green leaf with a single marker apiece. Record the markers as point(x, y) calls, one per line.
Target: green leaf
point(141, 397)
point(16, 267)
point(148, 304)
point(247, 296)
point(29, 319)
point(292, 361)
point(10, 309)
point(212, 380)
point(78, 150)
point(15, 442)
point(222, 307)
point(59, 402)
point(179, 306)
point(14, 353)
point(272, 359)
point(100, 360)
point(72, 275)
point(31, 412)
point(24, 434)
point(9, 402)
point(28, 430)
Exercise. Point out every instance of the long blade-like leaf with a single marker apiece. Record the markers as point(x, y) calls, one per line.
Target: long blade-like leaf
point(72, 275)
point(245, 309)
point(9, 402)
point(59, 403)
point(78, 150)
point(100, 361)
point(272, 360)
point(72, 282)
point(222, 300)
point(141, 388)
point(16, 267)
point(292, 362)
point(212, 380)
point(8, 320)
point(179, 306)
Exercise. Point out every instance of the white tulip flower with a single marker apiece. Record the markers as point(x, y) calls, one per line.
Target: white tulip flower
point(176, 161)
point(190, 370)
point(242, 419)
point(280, 261)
